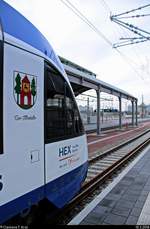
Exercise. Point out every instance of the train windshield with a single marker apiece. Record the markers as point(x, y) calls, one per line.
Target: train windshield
point(62, 118)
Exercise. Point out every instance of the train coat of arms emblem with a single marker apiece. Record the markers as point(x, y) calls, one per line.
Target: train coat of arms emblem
point(25, 89)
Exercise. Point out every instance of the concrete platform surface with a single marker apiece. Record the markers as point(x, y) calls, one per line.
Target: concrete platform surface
point(125, 201)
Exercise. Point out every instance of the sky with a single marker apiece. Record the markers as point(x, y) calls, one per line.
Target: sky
point(127, 67)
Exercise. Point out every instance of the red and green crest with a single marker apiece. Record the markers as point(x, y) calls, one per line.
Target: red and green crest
point(25, 89)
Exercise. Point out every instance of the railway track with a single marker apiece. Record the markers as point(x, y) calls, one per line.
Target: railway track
point(104, 166)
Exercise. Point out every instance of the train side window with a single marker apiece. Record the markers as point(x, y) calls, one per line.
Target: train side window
point(55, 118)
point(62, 119)
point(1, 97)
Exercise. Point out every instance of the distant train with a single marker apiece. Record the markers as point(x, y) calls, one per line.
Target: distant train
point(43, 146)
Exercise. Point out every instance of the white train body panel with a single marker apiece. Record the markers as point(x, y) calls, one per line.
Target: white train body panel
point(64, 156)
point(23, 128)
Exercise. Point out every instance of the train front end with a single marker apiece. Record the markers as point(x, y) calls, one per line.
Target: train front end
point(43, 145)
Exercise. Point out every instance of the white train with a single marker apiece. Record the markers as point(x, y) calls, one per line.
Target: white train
point(43, 147)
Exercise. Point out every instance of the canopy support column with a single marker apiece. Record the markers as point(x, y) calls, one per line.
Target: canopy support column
point(98, 112)
point(132, 112)
point(120, 112)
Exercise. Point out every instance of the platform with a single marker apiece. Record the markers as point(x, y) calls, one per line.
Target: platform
point(125, 201)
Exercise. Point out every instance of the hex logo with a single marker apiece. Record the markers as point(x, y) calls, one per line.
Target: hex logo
point(25, 89)
point(65, 150)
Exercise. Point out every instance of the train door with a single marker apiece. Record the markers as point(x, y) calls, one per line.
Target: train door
point(22, 165)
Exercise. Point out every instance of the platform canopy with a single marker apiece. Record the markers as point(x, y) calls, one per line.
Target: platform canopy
point(82, 80)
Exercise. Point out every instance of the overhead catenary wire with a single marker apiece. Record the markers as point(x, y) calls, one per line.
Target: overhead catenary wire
point(106, 6)
point(99, 33)
point(127, 59)
point(127, 12)
point(132, 40)
point(86, 20)
point(116, 18)
point(134, 16)
point(125, 32)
